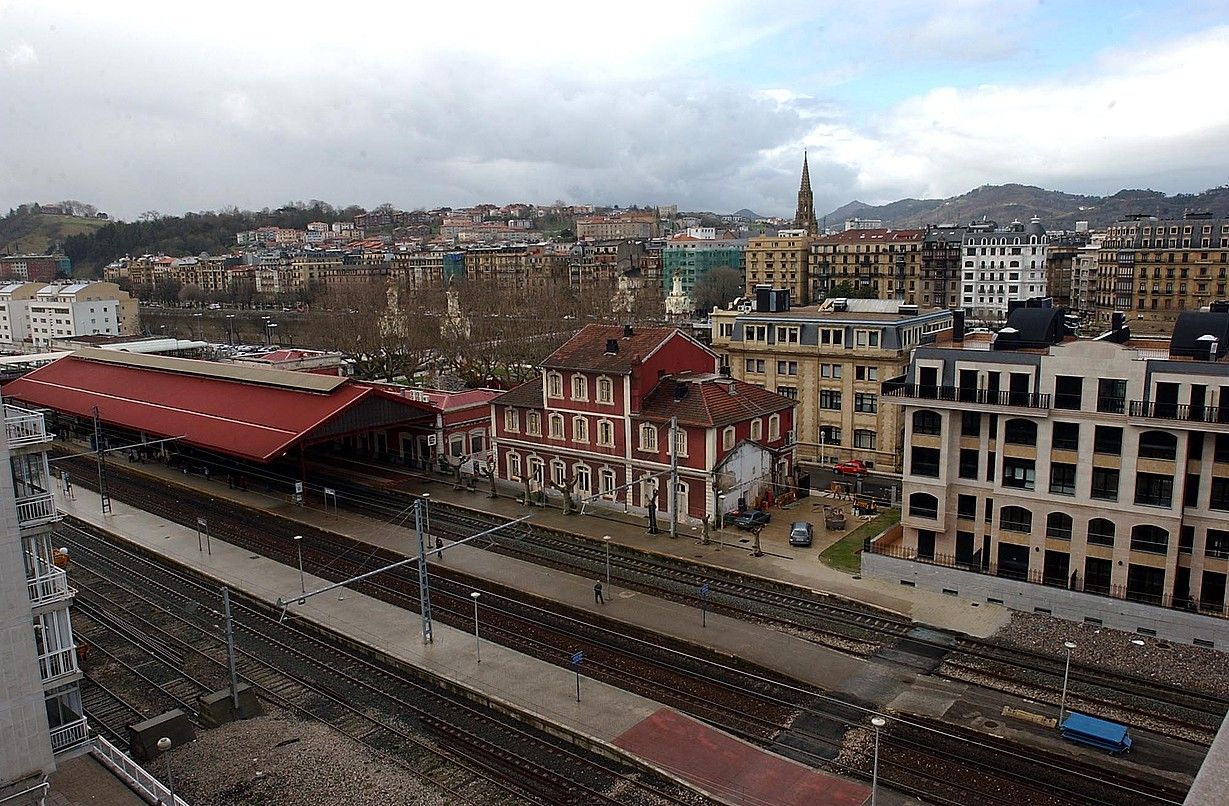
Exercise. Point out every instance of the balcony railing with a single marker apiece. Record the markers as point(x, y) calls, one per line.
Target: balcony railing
point(133, 773)
point(49, 584)
point(23, 427)
point(68, 736)
point(963, 394)
point(1179, 411)
point(57, 664)
point(35, 510)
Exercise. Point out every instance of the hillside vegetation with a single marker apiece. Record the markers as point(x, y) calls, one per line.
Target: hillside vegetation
point(37, 233)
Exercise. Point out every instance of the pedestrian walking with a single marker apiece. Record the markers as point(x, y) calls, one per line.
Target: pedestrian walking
point(597, 594)
point(206, 472)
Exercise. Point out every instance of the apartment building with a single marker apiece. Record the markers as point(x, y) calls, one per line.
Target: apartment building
point(831, 358)
point(1002, 265)
point(607, 227)
point(880, 261)
point(1084, 271)
point(34, 268)
point(781, 261)
point(40, 700)
point(1158, 268)
point(1098, 466)
point(939, 283)
point(692, 259)
point(76, 309)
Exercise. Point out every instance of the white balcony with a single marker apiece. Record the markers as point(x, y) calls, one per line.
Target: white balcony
point(24, 427)
point(58, 664)
point(49, 584)
point(35, 510)
point(69, 735)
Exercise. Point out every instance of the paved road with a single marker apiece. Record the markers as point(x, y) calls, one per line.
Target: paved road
point(875, 485)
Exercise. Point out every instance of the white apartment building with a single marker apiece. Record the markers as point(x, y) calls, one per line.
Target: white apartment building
point(1000, 265)
point(76, 309)
point(40, 699)
point(1084, 277)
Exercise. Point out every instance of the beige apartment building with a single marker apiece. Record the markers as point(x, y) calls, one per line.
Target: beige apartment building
point(782, 261)
point(832, 358)
point(607, 227)
point(883, 261)
point(1153, 270)
point(1098, 466)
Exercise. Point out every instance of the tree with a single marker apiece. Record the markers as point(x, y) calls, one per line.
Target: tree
point(848, 290)
point(718, 288)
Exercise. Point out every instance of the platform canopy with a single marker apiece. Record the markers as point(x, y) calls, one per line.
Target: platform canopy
point(248, 412)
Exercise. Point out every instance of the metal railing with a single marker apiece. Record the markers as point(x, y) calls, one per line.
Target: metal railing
point(35, 510)
point(1179, 411)
point(49, 583)
point(1078, 584)
point(24, 427)
point(133, 773)
point(58, 663)
point(964, 394)
point(69, 735)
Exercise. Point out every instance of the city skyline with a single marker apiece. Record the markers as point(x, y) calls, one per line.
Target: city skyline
point(704, 105)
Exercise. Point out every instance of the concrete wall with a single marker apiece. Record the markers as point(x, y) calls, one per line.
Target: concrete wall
point(26, 746)
point(1172, 625)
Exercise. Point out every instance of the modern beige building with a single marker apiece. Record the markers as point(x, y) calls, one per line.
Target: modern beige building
point(782, 261)
point(832, 358)
point(1099, 466)
point(1153, 270)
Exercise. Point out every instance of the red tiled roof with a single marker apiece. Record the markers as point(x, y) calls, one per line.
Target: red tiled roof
point(586, 350)
point(708, 401)
point(527, 395)
point(249, 420)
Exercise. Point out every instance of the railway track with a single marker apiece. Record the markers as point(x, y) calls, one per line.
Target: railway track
point(946, 759)
point(474, 755)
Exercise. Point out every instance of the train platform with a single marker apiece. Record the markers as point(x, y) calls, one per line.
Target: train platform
point(604, 714)
point(889, 687)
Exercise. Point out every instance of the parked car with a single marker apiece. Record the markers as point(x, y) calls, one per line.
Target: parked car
point(801, 533)
point(752, 519)
point(853, 467)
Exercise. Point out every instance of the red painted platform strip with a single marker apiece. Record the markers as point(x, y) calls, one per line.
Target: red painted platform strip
point(731, 769)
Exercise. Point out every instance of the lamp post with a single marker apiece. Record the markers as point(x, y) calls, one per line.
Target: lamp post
point(426, 518)
point(720, 520)
point(270, 328)
point(298, 544)
point(878, 722)
point(230, 328)
point(196, 325)
point(1062, 703)
point(164, 744)
point(477, 643)
point(606, 539)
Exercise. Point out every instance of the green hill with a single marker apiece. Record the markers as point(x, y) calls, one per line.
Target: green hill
point(36, 233)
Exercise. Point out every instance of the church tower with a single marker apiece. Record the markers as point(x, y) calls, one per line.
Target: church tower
point(804, 218)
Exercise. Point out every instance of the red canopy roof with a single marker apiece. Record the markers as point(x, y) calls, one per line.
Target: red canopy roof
point(255, 414)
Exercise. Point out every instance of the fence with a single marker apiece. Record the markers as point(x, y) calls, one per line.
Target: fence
point(1075, 583)
point(133, 773)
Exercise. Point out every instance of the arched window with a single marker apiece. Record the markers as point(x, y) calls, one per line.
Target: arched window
point(556, 426)
point(554, 384)
point(757, 429)
point(774, 428)
point(514, 467)
point(1020, 432)
point(607, 481)
point(648, 437)
point(1015, 519)
point(927, 422)
point(605, 390)
point(1101, 532)
point(727, 438)
point(558, 471)
point(584, 480)
point(1157, 445)
point(605, 433)
point(923, 505)
point(1152, 539)
point(1058, 525)
point(580, 429)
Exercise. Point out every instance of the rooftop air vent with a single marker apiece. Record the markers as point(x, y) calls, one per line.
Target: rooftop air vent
point(628, 332)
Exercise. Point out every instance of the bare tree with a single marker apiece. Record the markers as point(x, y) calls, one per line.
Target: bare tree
point(718, 288)
point(568, 485)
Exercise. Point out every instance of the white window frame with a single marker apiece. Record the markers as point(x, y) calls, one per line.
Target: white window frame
point(607, 425)
point(607, 481)
point(774, 428)
point(757, 429)
point(580, 429)
point(650, 431)
point(558, 471)
point(728, 437)
point(514, 466)
point(554, 385)
point(605, 390)
point(512, 420)
point(556, 432)
point(533, 423)
point(680, 442)
point(580, 383)
point(583, 476)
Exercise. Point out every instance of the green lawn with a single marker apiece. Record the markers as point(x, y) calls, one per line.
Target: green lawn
point(843, 555)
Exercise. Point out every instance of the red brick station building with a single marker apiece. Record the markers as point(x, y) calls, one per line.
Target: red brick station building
point(598, 419)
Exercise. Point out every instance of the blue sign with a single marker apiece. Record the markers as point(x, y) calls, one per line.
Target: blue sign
point(577, 658)
point(704, 589)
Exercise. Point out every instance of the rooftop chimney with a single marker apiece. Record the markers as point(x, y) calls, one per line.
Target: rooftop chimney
point(612, 346)
point(958, 326)
point(725, 370)
point(628, 332)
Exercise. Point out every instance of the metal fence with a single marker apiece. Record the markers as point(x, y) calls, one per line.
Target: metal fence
point(133, 773)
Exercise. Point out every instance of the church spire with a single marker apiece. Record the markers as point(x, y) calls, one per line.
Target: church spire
point(804, 218)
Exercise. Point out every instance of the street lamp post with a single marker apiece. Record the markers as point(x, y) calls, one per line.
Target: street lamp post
point(606, 539)
point(196, 325)
point(270, 328)
point(720, 520)
point(298, 544)
point(230, 328)
point(878, 722)
point(164, 744)
point(1062, 703)
point(477, 643)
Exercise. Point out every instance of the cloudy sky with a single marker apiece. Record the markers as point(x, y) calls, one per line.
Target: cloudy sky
point(138, 106)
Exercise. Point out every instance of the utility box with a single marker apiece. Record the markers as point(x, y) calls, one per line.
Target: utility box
point(143, 736)
point(218, 708)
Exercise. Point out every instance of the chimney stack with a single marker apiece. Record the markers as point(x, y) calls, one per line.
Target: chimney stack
point(958, 326)
point(628, 332)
